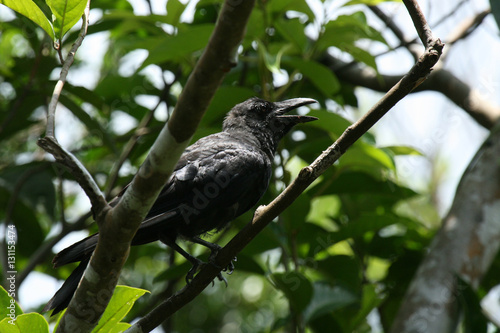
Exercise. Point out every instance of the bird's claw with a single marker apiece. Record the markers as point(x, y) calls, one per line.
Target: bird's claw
point(198, 265)
point(230, 268)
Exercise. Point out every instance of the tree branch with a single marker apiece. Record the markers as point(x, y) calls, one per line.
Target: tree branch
point(51, 113)
point(49, 142)
point(81, 174)
point(468, 26)
point(440, 80)
point(419, 21)
point(118, 225)
point(465, 246)
point(265, 214)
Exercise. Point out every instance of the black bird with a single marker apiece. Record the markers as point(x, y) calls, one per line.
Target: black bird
point(217, 179)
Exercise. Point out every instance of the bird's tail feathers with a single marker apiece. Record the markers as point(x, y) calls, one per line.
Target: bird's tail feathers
point(77, 252)
point(63, 296)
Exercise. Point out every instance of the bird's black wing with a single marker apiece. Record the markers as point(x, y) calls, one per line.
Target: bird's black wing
point(216, 180)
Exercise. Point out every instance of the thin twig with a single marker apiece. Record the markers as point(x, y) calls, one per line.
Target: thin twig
point(419, 21)
point(51, 113)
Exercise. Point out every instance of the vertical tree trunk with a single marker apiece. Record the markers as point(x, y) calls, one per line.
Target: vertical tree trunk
point(465, 247)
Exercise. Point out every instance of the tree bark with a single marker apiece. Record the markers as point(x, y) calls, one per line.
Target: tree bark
point(465, 247)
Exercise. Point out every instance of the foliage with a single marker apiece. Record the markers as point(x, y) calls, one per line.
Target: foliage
point(347, 247)
point(122, 301)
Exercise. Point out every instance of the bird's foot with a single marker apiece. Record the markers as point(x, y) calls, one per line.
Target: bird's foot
point(198, 265)
point(214, 250)
point(229, 269)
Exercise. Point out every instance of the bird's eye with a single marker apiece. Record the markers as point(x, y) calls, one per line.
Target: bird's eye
point(262, 107)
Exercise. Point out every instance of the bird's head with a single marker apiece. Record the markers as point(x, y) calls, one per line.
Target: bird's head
point(267, 121)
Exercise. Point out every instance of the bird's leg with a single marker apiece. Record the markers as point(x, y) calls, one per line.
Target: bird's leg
point(197, 263)
point(214, 249)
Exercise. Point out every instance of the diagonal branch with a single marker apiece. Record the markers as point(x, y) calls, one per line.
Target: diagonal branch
point(265, 214)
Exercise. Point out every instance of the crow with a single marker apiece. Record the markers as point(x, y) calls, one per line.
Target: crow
point(218, 178)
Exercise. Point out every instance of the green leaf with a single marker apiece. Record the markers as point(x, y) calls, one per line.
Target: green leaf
point(122, 301)
point(356, 182)
point(370, 301)
point(360, 55)
point(320, 75)
point(175, 8)
point(25, 323)
point(248, 264)
point(403, 150)
point(88, 96)
point(470, 304)
point(345, 31)
point(350, 276)
point(37, 188)
point(356, 228)
point(29, 9)
point(26, 222)
point(279, 7)
point(295, 215)
point(330, 122)
point(297, 288)
point(272, 61)
point(7, 304)
point(293, 31)
point(367, 158)
point(184, 43)
point(65, 14)
point(327, 299)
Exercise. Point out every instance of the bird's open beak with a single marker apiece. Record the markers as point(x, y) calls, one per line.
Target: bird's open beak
point(285, 106)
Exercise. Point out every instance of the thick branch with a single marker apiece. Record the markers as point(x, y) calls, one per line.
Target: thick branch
point(118, 225)
point(465, 246)
point(265, 214)
point(440, 80)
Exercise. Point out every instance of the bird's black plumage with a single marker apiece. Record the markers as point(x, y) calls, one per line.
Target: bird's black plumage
point(217, 178)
